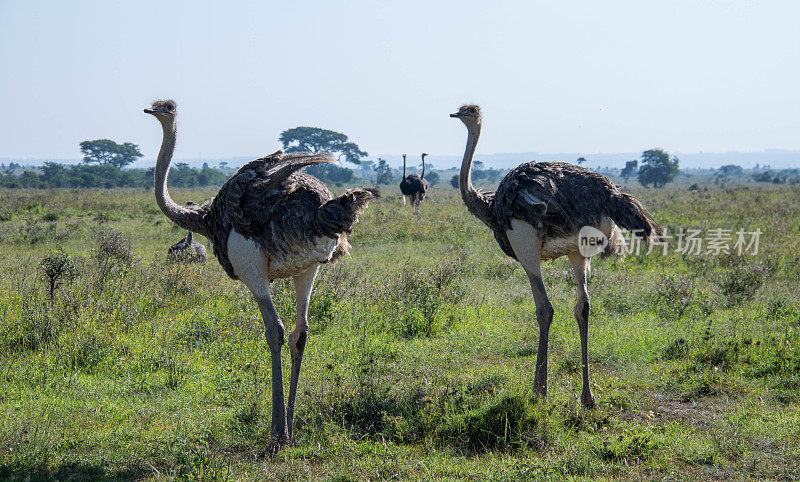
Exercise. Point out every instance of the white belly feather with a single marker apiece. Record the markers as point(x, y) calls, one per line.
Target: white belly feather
point(553, 248)
point(251, 263)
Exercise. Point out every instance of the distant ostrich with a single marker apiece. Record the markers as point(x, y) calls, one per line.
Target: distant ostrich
point(187, 250)
point(268, 221)
point(536, 214)
point(414, 186)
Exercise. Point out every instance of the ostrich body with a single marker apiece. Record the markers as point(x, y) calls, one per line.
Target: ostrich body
point(187, 249)
point(268, 221)
point(414, 186)
point(536, 214)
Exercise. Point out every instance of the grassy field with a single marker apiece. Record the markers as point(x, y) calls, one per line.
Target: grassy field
point(421, 352)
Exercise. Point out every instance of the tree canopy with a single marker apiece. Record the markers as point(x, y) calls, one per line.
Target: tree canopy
point(108, 152)
point(657, 168)
point(728, 171)
point(316, 140)
point(383, 173)
point(331, 173)
point(630, 169)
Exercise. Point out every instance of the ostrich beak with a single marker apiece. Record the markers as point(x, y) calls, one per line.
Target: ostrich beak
point(457, 114)
point(149, 111)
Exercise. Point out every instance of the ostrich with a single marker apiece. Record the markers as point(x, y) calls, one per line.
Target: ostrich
point(188, 250)
point(268, 221)
point(414, 186)
point(536, 214)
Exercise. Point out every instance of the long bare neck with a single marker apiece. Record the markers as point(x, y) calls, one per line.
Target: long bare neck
point(475, 201)
point(188, 219)
point(423, 167)
point(404, 167)
point(189, 237)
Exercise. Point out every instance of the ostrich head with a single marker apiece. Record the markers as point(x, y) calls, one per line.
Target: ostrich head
point(470, 115)
point(424, 154)
point(164, 110)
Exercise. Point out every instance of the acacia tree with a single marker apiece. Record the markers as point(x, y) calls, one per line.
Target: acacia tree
point(629, 170)
point(581, 160)
point(108, 152)
point(729, 170)
point(316, 140)
point(383, 173)
point(657, 168)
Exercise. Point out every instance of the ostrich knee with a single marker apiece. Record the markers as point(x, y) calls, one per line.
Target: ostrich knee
point(297, 341)
point(582, 310)
point(276, 335)
point(544, 316)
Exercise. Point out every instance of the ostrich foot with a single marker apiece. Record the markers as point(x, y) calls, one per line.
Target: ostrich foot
point(587, 399)
point(276, 443)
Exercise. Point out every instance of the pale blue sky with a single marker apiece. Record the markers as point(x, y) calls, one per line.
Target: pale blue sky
point(551, 76)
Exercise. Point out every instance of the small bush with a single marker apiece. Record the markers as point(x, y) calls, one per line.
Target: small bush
point(113, 246)
point(56, 269)
point(630, 444)
point(419, 295)
point(673, 296)
point(505, 424)
point(84, 351)
point(741, 284)
point(676, 349)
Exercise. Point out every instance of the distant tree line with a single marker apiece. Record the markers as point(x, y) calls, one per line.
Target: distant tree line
point(55, 175)
point(790, 176)
point(479, 174)
point(103, 163)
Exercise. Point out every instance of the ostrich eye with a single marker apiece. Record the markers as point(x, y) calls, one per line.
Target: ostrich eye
point(471, 110)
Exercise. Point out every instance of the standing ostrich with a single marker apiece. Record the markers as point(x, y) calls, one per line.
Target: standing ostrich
point(268, 221)
point(536, 214)
point(188, 250)
point(414, 186)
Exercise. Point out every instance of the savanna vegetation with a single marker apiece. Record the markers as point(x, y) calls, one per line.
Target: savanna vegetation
point(420, 362)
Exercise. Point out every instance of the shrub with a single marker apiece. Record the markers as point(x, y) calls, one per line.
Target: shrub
point(419, 295)
point(630, 444)
point(674, 296)
point(56, 269)
point(113, 246)
point(507, 423)
point(741, 284)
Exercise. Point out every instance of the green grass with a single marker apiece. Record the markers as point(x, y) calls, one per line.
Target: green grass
point(421, 351)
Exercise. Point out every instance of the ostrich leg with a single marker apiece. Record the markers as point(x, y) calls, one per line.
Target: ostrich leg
point(579, 267)
point(251, 266)
point(274, 330)
point(297, 339)
point(526, 243)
